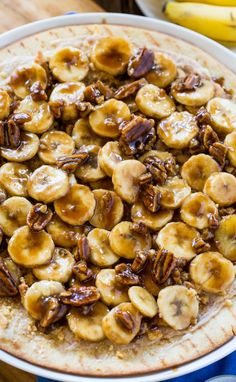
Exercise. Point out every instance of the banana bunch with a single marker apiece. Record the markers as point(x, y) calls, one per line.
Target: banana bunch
point(213, 18)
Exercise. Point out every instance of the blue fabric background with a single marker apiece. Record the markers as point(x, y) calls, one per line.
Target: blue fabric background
point(225, 366)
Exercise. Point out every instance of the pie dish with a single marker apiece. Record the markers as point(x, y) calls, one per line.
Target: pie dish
point(145, 354)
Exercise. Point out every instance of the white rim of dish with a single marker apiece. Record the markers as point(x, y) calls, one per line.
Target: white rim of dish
point(219, 52)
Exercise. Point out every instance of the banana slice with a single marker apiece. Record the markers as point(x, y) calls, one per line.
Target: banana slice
point(164, 71)
point(67, 94)
point(125, 179)
point(230, 142)
point(143, 301)
point(178, 129)
point(111, 294)
point(223, 115)
point(25, 76)
point(173, 193)
point(177, 238)
point(83, 135)
point(116, 331)
point(13, 213)
point(212, 272)
point(196, 210)
point(69, 64)
point(59, 268)
point(111, 54)
point(5, 102)
point(178, 306)
point(163, 155)
point(154, 221)
point(197, 169)
point(55, 144)
point(225, 239)
point(40, 113)
point(106, 119)
point(77, 206)
point(108, 211)
point(33, 298)
point(29, 144)
point(154, 102)
point(101, 252)
point(109, 156)
point(90, 170)
point(125, 243)
point(221, 188)
point(198, 97)
point(88, 327)
point(63, 234)
point(14, 178)
point(47, 184)
point(30, 249)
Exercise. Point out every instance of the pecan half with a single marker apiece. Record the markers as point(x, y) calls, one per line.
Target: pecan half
point(195, 146)
point(171, 166)
point(208, 136)
point(145, 178)
point(37, 92)
point(200, 245)
point(19, 118)
point(125, 318)
point(80, 296)
point(71, 162)
point(82, 271)
point(203, 117)
point(84, 108)
point(82, 252)
point(125, 275)
point(213, 221)
point(157, 168)
point(8, 286)
point(127, 90)
point(219, 152)
point(189, 83)
point(139, 228)
point(137, 135)
point(151, 197)
point(140, 261)
point(9, 134)
point(52, 311)
point(141, 63)
point(163, 264)
point(39, 216)
point(97, 93)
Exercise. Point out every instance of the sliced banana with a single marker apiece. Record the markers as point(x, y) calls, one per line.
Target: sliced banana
point(223, 114)
point(13, 214)
point(30, 249)
point(225, 238)
point(59, 268)
point(47, 184)
point(117, 332)
point(111, 54)
point(40, 113)
point(178, 129)
point(154, 102)
point(88, 328)
point(173, 192)
point(108, 211)
point(14, 178)
point(63, 234)
point(5, 102)
point(83, 135)
point(69, 64)
point(212, 272)
point(25, 76)
point(143, 301)
point(125, 179)
point(101, 252)
point(111, 294)
point(197, 169)
point(197, 97)
point(33, 298)
point(221, 187)
point(106, 119)
point(177, 237)
point(55, 144)
point(164, 71)
point(178, 306)
point(230, 142)
point(125, 243)
point(67, 94)
point(109, 156)
point(90, 170)
point(29, 144)
point(154, 221)
point(77, 206)
point(196, 210)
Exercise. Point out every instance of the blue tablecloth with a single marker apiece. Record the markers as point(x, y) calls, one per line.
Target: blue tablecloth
point(225, 366)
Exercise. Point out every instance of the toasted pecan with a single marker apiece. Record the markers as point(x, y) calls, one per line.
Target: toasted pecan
point(140, 261)
point(200, 245)
point(141, 63)
point(151, 197)
point(163, 264)
point(189, 83)
point(70, 163)
point(125, 275)
point(82, 251)
point(125, 318)
point(52, 311)
point(39, 216)
point(129, 89)
point(83, 295)
point(82, 271)
point(219, 152)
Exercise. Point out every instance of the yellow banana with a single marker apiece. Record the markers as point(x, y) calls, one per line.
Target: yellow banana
point(216, 22)
point(225, 3)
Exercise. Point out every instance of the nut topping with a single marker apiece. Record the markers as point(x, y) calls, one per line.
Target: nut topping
point(140, 261)
point(203, 117)
point(8, 285)
point(97, 93)
point(151, 197)
point(200, 245)
point(189, 83)
point(127, 90)
point(9, 134)
point(38, 217)
point(82, 252)
point(82, 272)
point(125, 275)
point(163, 265)
point(125, 319)
point(208, 136)
point(157, 169)
point(139, 228)
point(37, 92)
point(218, 151)
point(71, 162)
point(141, 63)
point(52, 311)
point(213, 221)
point(80, 296)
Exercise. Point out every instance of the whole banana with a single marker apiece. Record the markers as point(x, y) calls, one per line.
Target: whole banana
point(225, 3)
